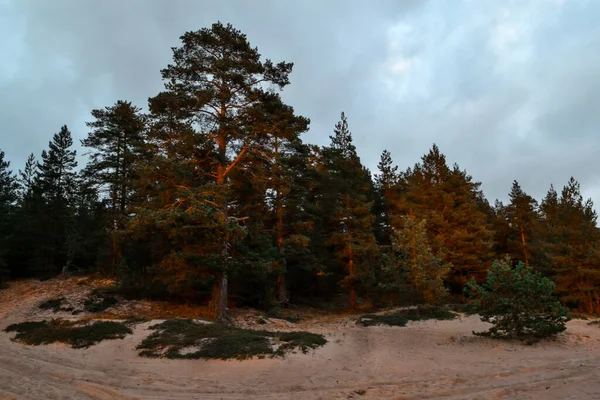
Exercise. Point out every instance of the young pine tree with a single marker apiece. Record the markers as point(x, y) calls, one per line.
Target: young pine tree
point(426, 270)
point(351, 220)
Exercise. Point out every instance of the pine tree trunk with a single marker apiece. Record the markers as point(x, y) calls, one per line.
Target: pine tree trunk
point(220, 289)
point(352, 287)
point(524, 247)
point(281, 289)
point(281, 284)
point(219, 298)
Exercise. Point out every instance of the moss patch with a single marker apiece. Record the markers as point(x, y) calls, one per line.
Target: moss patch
point(99, 303)
point(77, 334)
point(55, 305)
point(277, 313)
point(401, 318)
point(185, 338)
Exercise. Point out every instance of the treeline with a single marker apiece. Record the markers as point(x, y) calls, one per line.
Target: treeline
point(212, 196)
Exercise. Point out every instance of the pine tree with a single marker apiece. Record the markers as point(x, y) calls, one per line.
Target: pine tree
point(522, 218)
point(27, 237)
point(387, 185)
point(27, 177)
point(116, 140)
point(450, 201)
point(351, 220)
point(570, 242)
point(501, 228)
point(426, 270)
point(57, 185)
point(280, 149)
point(8, 197)
point(216, 86)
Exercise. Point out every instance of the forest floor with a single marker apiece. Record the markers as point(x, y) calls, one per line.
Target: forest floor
point(424, 360)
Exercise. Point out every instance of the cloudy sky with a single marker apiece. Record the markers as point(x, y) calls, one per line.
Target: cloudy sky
point(507, 89)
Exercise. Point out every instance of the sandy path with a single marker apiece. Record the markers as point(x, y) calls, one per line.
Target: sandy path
point(426, 360)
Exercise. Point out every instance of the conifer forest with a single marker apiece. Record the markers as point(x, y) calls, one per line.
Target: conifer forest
point(212, 197)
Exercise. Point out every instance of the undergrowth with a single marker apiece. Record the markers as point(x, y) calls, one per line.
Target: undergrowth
point(74, 333)
point(185, 338)
point(401, 317)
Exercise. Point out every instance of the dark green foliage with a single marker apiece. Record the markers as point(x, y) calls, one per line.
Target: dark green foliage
point(73, 333)
point(518, 302)
point(401, 318)
point(184, 338)
point(8, 197)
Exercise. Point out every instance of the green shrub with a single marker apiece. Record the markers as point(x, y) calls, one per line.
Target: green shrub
point(401, 318)
point(74, 333)
point(185, 338)
point(518, 302)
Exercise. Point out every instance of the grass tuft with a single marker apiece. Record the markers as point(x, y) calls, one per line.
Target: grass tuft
point(185, 338)
point(401, 318)
point(74, 333)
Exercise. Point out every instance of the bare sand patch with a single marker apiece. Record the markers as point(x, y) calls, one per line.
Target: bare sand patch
point(424, 360)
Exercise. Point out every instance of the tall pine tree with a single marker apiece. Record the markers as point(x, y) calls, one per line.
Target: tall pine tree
point(217, 86)
point(57, 183)
point(570, 242)
point(351, 220)
point(116, 140)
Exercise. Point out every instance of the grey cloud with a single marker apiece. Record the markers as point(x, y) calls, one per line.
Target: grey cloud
point(524, 109)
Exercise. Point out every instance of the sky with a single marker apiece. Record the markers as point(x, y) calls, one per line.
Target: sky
point(506, 89)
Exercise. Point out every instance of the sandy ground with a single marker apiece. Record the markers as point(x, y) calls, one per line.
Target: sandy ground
point(425, 360)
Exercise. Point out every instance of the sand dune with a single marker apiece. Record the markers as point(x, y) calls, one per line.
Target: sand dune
point(425, 360)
